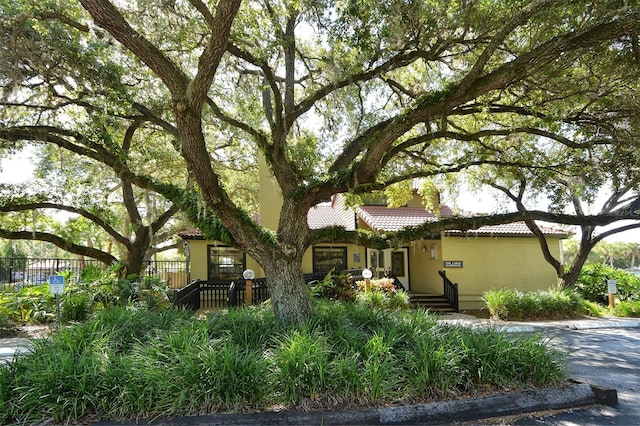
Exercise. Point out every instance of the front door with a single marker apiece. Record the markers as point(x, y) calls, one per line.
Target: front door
point(376, 262)
point(395, 262)
point(399, 261)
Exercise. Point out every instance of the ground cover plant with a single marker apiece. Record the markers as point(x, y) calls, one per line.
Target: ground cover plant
point(93, 289)
point(629, 308)
point(127, 363)
point(515, 305)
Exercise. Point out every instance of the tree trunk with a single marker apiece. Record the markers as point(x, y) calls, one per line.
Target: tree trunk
point(570, 277)
point(290, 298)
point(134, 262)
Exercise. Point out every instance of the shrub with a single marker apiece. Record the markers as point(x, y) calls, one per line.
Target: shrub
point(592, 283)
point(381, 300)
point(75, 306)
point(514, 305)
point(334, 287)
point(630, 308)
point(127, 364)
point(383, 294)
point(7, 327)
point(96, 288)
point(32, 304)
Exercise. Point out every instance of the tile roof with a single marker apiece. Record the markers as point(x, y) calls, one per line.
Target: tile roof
point(191, 234)
point(324, 215)
point(382, 218)
point(516, 228)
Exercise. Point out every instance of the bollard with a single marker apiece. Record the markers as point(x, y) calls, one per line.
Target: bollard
point(248, 275)
point(249, 292)
point(367, 274)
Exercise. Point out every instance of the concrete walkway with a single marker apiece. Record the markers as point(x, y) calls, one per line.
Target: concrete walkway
point(11, 346)
point(533, 326)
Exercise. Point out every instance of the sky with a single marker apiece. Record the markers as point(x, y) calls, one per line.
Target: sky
point(19, 168)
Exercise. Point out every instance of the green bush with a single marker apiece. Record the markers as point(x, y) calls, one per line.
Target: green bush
point(334, 287)
point(95, 289)
point(7, 326)
point(75, 306)
point(31, 304)
point(630, 308)
point(592, 283)
point(126, 364)
point(383, 294)
point(514, 305)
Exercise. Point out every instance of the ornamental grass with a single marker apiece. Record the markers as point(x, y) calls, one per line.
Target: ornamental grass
point(125, 364)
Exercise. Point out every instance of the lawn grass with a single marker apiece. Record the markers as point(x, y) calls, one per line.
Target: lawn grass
point(131, 364)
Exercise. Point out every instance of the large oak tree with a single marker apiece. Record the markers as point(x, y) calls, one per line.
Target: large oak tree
point(346, 96)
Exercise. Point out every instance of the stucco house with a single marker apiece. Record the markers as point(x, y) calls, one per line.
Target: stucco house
point(491, 257)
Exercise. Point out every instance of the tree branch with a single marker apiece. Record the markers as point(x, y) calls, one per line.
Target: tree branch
point(79, 211)
point(212, 55)
point(107, 16)
point(60, 242)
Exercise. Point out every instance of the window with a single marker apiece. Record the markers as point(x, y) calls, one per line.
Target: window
point(226, 263)
point(327, 258)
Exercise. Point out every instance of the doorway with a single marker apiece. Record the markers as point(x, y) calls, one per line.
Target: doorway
point(392, 261)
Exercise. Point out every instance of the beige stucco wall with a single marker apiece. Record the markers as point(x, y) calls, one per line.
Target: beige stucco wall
point(488, 263)
point(198, 264)
point(423, 269)
point(497, 262)
point(198, 260)
point(270, 197)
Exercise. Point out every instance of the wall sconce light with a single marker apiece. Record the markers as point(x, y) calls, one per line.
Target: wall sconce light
point(433, 252)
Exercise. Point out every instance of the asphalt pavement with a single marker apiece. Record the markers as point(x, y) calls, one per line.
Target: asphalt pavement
point(609, 357)
point(602, 356)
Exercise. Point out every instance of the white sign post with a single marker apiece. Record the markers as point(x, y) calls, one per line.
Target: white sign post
point(56, 286)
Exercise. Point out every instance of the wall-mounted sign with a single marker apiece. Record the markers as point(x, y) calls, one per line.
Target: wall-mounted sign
point(453, 263)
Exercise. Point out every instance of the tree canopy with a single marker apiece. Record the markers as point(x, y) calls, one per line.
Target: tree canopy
point(337, 97)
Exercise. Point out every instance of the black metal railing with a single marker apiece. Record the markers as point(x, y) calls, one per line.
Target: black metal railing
point(227, 293)
point(34, 271)
point(238, 292)
point(450, 290)
point(233, 293)
point(188, 297)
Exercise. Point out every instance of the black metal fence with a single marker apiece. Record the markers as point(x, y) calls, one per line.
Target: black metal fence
point(221, 294)
point(34, 271)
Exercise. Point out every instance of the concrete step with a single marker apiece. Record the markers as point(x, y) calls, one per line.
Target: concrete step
point(434, 302)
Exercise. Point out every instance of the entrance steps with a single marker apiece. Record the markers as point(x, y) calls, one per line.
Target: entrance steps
point(433, 302)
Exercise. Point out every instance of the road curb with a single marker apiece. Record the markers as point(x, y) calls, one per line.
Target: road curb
point(605, 324)
point(572, 395)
